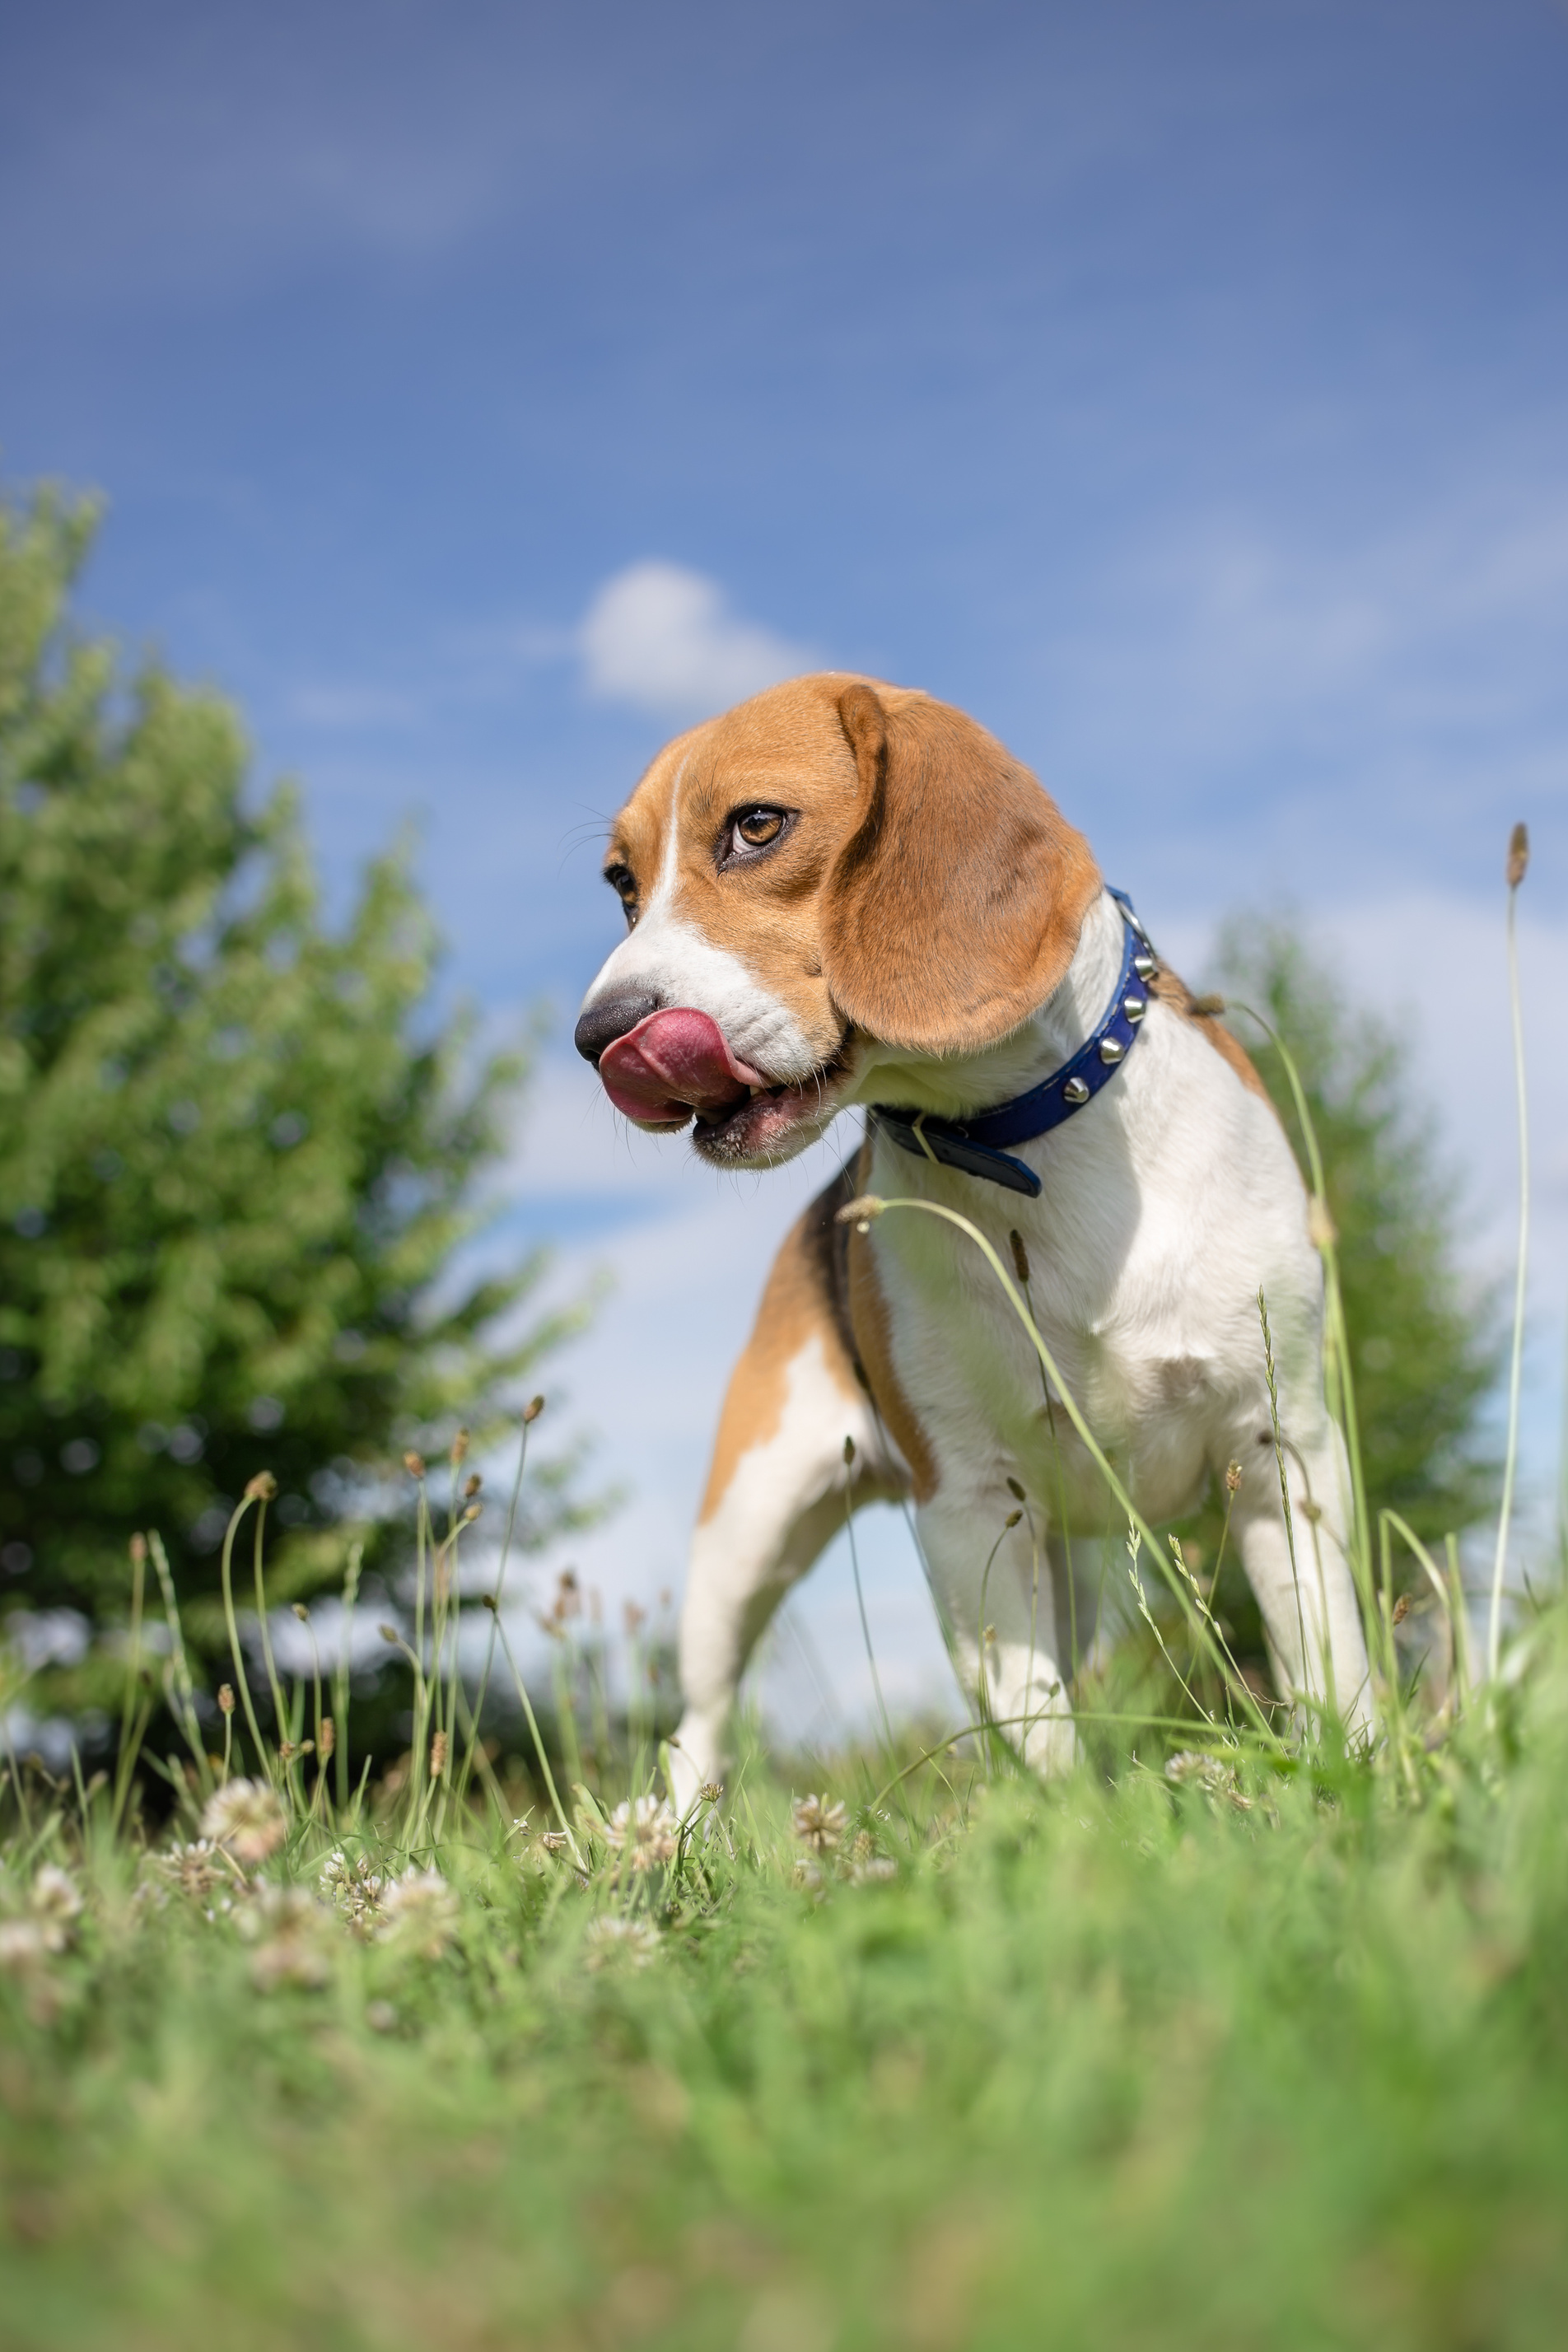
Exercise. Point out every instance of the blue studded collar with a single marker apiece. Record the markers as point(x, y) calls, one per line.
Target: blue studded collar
point(979, 1146)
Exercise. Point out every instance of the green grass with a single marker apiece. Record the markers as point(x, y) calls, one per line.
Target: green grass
point(1256, 2045)
point(1122, 2062)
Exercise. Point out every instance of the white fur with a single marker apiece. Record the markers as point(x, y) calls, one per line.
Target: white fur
point(786, 1502)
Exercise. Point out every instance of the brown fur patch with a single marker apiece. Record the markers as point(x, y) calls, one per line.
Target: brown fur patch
point(955, 909)
point(874, 1346)
point(1171, 990)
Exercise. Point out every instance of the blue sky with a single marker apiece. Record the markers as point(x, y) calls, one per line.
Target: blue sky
point(482, 390)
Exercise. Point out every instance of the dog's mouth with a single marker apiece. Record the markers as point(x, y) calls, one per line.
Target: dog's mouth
point(766, 1122)
point(676, 1065)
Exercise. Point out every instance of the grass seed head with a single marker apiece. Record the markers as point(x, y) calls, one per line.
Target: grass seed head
point(414, 1464)
point(860, 1212)
point(1020, 1256)
point(225, 1699)
point(1518, 864)
point(1322, 1231)
point(437, 1755)
point(1232, 1477)
point(261, 1488)
point(531, 1410)
point(459, 1449)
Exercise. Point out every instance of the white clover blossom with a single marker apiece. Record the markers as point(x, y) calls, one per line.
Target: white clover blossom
point(355, 1888)
point(246, 1817)
point(630, 1943)
point(55, 1904)
point(420, 1912)
point(285, 1924)
point(195, 1869)
point(818, 1824)
point(644, 1832)
point(23, 1946)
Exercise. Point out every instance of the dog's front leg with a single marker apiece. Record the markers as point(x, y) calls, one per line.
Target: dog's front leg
point(777, 1493)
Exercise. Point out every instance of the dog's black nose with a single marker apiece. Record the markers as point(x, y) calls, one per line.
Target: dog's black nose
point(609, 1019)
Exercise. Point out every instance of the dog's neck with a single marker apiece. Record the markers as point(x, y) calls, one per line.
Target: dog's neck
point(963, 1085)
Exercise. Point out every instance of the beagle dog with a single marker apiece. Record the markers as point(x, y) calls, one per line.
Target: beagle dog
point(843, 893)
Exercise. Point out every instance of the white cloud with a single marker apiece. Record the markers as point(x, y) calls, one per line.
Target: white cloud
point(665, 639)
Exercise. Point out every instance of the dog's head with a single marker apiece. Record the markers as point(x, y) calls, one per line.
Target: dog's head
point(832, 866)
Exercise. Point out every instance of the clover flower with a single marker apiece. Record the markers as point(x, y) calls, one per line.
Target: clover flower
point(630, 1943)
point(818, 1824)
point(644, 1832)
point(285, 1925)
point(56, 1905)
point(420, 1912)
point(1190, 1769)
point(24, 1947)
point(354, 1888)
point(195, 1869)
point(246, 1817)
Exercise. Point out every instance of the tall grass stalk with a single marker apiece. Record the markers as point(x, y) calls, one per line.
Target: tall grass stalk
point(241, 1679)
point(181, 1690)
point(531, 1414)
point(1517, 867)
point(341, 1694)
point(539, 1749)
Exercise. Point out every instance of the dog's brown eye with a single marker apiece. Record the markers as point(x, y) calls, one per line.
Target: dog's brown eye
point(752, 829)
point(622, 881)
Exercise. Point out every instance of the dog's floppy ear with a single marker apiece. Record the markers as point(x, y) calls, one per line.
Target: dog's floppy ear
point(955, 906)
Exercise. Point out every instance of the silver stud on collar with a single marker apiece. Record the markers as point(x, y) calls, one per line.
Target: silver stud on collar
point(1134, 1007)
point(1112, 1049)
point(1075, 1091)
point(1144, 966)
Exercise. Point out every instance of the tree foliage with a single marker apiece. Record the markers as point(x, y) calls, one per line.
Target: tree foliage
point(237, 1149)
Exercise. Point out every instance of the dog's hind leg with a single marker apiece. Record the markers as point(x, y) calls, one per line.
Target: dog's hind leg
point(1302, 1577)
point(779, 1482)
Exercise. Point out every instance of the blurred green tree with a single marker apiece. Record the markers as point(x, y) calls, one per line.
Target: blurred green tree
point(237, 1150)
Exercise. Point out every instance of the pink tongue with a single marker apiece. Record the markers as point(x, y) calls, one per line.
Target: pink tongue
point(671, 1064)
